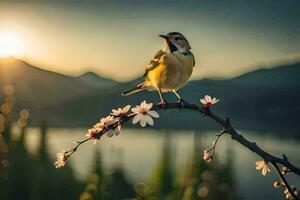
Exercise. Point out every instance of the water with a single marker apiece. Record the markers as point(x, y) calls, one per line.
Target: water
point(139, 150)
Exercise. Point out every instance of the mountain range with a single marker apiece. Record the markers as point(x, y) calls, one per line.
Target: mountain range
point(38, 88)
point(264, 98)
point(95, 81)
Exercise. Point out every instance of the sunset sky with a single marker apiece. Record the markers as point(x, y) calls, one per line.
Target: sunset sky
point(117, 39)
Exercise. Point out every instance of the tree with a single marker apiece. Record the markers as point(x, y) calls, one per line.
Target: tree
point(163, 176)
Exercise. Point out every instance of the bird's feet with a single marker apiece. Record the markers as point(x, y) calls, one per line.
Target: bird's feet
point(182, 102)
point(163, 103)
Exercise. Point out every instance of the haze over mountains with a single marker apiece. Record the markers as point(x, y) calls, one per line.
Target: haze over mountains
point(39, 88)
point(259, 99)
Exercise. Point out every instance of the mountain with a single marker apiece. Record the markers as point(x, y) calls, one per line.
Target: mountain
point(95, 81)
point(37, 88)
point(261, 99)
point(279, 76)
point(265, 98)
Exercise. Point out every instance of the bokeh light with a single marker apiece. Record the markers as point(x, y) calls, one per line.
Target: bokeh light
point(8, 90)
point(24, 114)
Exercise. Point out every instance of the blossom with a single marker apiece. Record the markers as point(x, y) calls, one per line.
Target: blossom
point(277, 184)
point(285, 170)
point(144, 114)
point(207, 157)
point(297, 193)
point(120, 111)
point(105, 121)
point(93, 133)
point(109, 120)
point(207, 101)
point(288, 195)
point(115, 131)
point(262, 165)
point(61, 159)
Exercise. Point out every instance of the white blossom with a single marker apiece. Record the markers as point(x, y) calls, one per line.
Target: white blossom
point(60, 160)
point(116, 131)
point(277, 184)
point(120, 111)
point(144, 114)
point(109, 120)
point(208, 100)
point(106, 121)
point(263, 166)
point(287, 193)
point(102, 124)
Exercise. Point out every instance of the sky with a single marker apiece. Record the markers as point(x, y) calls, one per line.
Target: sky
point(118, 38)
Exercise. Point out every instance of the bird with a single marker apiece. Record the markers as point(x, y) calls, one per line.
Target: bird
point(169, 69)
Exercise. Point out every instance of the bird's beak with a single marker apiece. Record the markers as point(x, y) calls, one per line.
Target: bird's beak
point(164, 37)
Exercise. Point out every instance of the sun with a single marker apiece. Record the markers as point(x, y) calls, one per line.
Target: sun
point(10, 44)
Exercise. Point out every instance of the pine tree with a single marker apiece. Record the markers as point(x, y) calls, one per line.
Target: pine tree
point(119, 187)
point(96, 187)
point(49, 179)
point(21, 171)
point(191, 178)
point(163, 176)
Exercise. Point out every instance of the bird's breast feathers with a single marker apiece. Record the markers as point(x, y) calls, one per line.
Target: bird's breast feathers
point(173, 71)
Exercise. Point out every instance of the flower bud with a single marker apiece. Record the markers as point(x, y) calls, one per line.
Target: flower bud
point(277, 184)
point(285, 170)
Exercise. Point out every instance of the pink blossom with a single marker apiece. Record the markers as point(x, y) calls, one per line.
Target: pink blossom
point(207, 157)
point(61, 159)
point(207, 101)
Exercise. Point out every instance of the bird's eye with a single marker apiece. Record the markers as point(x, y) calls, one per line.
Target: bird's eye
point(178, 38)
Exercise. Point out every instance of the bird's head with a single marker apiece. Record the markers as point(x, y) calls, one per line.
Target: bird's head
point(175, 41)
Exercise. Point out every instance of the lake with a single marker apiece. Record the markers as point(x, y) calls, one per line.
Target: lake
point(139, 150)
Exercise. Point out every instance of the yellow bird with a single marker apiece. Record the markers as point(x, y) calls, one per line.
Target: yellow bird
point(170, 68)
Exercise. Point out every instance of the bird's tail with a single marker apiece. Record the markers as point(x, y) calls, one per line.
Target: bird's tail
point(136, 89)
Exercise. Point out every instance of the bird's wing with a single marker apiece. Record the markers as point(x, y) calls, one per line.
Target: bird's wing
point(154, 62)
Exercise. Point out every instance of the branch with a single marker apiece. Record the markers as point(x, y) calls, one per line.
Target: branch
point(111, 125)
point(228, 128)
point(226, 125)
point(285, 183)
